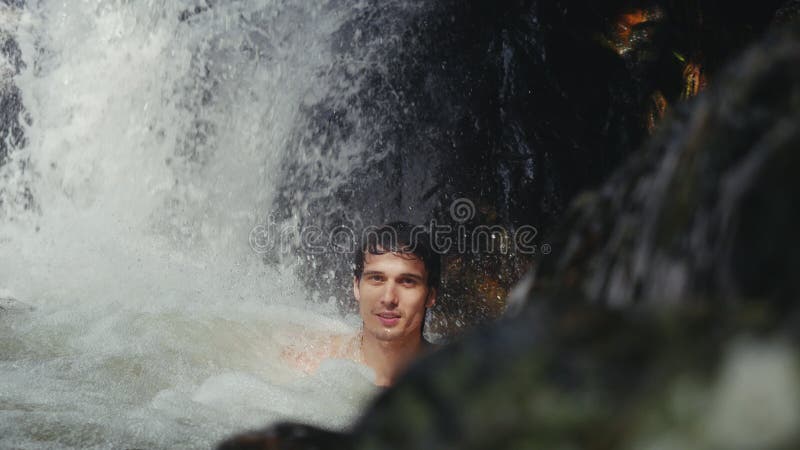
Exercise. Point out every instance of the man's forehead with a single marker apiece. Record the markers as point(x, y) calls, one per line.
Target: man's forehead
point(408, 260)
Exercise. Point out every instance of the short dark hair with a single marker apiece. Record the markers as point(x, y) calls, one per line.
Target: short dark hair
point(403, 238)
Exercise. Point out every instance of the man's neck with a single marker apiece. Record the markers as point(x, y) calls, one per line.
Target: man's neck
point(388, 358)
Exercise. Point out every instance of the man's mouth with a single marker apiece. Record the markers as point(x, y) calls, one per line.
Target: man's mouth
point(388, 319)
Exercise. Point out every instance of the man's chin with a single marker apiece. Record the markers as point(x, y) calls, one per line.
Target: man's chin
point(385, 334)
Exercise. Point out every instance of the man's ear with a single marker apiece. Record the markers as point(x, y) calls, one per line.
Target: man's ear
point(431, 298)
point(356, 291)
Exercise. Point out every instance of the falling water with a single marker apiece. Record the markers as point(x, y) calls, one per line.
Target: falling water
point(135, 314)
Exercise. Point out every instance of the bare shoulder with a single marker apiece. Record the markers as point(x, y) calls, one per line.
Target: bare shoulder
point(308, 351)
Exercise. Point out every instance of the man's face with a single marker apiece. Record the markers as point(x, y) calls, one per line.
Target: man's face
point(392, 295)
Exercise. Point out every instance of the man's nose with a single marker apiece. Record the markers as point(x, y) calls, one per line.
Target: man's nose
point(389, 296)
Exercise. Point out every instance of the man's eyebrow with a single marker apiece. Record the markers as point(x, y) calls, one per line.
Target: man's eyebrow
point(411, 275)
point(407, 275)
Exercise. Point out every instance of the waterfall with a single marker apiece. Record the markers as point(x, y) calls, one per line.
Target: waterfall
point(135, 312)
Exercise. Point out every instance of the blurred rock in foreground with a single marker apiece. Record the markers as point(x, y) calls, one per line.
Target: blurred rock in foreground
point(706, 210)
point(666, 317)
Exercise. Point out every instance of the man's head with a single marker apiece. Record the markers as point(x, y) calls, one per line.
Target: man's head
point(396, 277)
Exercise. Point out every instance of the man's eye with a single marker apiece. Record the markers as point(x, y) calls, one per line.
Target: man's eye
point(409, 281)
point(374, 278)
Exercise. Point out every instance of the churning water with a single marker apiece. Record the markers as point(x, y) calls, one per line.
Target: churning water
point(154, 132)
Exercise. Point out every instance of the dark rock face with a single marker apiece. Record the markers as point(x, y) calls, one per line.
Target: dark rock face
point(517, 106)
point(287, 437)
point(10, 98)
point(486, 101)
point(11, 109)
point(12, 115)
point(699, 223)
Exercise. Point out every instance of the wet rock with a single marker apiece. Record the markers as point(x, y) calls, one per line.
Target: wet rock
point(13, 116)
point(11, 110)
point(11, 305)
point(187, 14)
point(457, 100)
point(286, 437)
point(517, 107)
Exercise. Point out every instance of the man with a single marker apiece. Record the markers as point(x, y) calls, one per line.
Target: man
point(395, 281)
point(396, 277)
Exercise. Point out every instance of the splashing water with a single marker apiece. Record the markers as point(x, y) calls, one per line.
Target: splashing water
point(142, 317)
